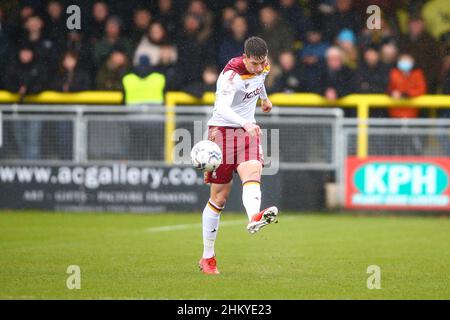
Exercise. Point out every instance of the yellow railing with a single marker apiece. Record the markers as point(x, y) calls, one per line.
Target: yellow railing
point(53, 97)
point(362, 103)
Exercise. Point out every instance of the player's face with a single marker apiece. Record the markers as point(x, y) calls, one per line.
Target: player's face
point(255, 65)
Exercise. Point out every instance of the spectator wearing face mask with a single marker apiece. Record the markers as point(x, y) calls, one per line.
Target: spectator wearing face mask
point(406, 81)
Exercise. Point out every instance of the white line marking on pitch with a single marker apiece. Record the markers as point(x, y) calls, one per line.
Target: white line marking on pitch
point(199, 225)
point(192, 225)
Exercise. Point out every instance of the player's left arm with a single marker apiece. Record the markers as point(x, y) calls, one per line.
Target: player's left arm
point(266, 105)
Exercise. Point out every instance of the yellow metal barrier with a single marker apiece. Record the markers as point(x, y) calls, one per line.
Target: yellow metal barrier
point(53, 97)
point(363, 103)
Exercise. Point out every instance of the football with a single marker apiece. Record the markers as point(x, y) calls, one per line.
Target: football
point(206, 155)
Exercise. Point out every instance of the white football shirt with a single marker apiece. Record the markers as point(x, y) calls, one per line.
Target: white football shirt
point(237, 93)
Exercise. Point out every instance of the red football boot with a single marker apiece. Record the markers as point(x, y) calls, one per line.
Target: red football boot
point(208, 265)
point(259, 220)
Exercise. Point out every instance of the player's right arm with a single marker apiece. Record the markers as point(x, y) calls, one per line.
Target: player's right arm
point(224, 100)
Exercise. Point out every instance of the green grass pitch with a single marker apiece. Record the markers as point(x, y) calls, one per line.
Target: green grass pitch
point(304, 256)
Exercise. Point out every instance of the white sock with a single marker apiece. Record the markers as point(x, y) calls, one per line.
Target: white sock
point(251, 197)
point(210, 219)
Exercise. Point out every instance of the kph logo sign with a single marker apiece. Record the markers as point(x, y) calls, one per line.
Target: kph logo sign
point(400, 183)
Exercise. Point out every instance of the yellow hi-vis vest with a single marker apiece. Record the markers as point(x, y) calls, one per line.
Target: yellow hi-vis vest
point(144, 90)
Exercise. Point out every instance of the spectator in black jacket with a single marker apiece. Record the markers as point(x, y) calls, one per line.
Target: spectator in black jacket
point(373, 77)
point(76, 42)
point(5, 46)
point(337, 79)
point(26, 76)
point(274, 31)
point(446, 87)
point(372, 74)
point(210, 75)
point(168, 14)
point(246, 8)
point(389, 54)
point(343, 16)
point(289, 79)
point(194, 53)
point(293, 14)
point(445, 113)
point(425, 50)
point(55, 24)
point(69, 78)
point(99, 15)
point(46, 52)
point(142, 18)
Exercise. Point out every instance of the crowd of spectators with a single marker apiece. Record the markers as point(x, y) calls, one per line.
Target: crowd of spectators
point(322, 46)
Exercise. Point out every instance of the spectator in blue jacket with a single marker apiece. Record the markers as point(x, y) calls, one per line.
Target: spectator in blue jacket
point(312, 58)
point(315, 48)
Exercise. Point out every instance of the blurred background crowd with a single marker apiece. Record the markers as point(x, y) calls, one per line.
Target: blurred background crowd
point(321, 46)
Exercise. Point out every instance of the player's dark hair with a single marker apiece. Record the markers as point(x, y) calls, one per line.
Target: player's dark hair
point(255, 47)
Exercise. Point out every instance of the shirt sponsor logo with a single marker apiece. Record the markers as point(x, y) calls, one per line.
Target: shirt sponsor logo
point(254, 93)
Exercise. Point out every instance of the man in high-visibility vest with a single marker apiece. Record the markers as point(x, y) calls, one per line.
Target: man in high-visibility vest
point(144, 85)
